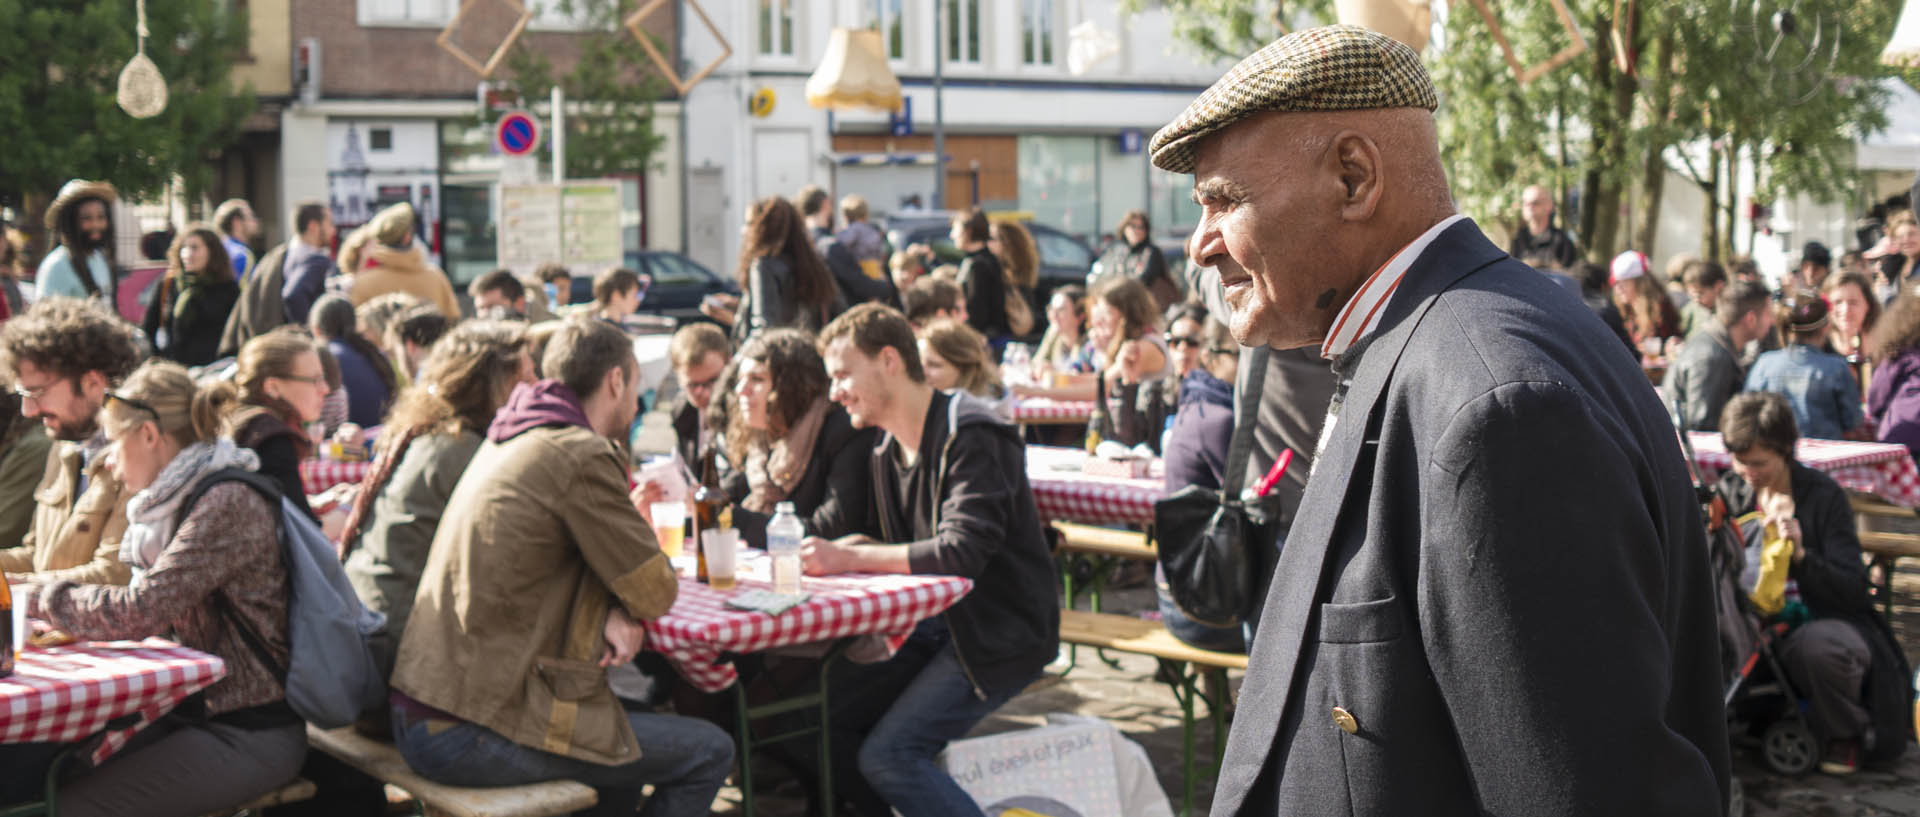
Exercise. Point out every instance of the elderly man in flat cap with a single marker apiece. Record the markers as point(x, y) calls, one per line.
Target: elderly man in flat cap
point(1495, 597)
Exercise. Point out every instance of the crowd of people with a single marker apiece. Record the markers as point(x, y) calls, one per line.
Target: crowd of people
point(501, 534)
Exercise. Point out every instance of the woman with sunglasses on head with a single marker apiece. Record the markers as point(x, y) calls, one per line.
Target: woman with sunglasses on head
point(210, 575)
point(278, 388)
point(1196, 454)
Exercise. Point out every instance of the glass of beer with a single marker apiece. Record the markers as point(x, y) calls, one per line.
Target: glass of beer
point(669, 526)
point(722, 548)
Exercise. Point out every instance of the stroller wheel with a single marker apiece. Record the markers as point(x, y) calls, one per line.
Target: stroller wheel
point(1790, 747)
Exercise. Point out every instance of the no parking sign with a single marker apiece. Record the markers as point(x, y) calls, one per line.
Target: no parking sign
point(516, 134)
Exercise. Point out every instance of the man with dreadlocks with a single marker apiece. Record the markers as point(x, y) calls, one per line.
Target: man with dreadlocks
point(82, 218)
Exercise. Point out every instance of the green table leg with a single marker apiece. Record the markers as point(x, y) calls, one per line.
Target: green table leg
point(745, 714)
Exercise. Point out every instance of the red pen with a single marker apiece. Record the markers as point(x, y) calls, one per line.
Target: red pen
point(1274, 474)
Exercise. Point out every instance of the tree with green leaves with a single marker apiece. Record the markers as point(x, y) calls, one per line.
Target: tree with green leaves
point(59, 71)
point(610, 91)
point(1701, 85)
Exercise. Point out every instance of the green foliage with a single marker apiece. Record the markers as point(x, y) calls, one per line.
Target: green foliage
point(610, 92)
point(1497, 136)
point(59, 70)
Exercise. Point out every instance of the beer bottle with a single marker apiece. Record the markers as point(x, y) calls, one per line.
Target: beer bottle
point(708, 502)
point(6, 627)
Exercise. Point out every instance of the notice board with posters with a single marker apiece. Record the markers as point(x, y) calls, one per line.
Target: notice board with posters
point(576, 223)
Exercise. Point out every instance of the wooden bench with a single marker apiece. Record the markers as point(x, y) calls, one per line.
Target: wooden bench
point(297, 790)
point(1098, 541)
point(1184, 668)
point(383, 762)
point(1885, 548)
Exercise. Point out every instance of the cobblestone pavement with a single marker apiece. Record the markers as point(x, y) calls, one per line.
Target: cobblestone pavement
point(1145, 711)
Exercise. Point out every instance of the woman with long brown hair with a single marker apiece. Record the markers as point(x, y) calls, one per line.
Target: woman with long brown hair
point(1903, 259)
point(1853, 311)
point(781, 275)
point(1020, 262)
point(1131, 355)
point(279, 386)
point(790, 443)
point(433, 431)
point(188, 311)
point(956, 358)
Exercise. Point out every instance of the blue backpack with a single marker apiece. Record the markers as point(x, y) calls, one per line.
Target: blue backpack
point(331, 676)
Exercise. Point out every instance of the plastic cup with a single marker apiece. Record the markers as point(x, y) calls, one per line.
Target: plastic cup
point(19, 626)
point(670, 526)
point(722, 548)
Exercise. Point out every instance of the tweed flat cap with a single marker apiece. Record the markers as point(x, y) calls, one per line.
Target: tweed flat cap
point(1331, 68)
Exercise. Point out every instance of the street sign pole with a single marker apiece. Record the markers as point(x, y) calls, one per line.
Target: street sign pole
point(939, 112)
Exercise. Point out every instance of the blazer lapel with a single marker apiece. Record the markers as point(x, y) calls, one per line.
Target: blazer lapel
point(1331, 491)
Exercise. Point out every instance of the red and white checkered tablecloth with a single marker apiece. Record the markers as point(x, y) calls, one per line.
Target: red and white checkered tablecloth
point(317, 475)
point(1885, 470)
point(65, 694)
point(1042, 410)
point(1064, 493)
point(701, 627)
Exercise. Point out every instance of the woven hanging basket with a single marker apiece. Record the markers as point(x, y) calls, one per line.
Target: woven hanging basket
point(143, 92)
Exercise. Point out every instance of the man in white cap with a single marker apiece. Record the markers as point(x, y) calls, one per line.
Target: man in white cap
point(1495, 598)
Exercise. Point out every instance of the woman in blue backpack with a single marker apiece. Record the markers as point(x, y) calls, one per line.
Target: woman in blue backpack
point(202, 571)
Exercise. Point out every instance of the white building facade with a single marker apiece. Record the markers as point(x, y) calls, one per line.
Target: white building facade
point(1023, 132)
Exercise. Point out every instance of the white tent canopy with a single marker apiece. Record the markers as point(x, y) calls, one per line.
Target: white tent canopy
point(1898, 146)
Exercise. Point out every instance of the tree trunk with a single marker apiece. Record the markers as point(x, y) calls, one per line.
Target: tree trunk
point(1598, 208)
point(1710, 238)
point(1653, 174)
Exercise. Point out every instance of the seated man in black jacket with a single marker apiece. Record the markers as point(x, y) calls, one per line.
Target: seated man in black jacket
point(950, 487)
point(699, 354)
point(1844, 660)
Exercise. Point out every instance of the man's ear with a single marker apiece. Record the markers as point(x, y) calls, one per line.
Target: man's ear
point(93, 384)
point(614, 382)
point(1355, 159)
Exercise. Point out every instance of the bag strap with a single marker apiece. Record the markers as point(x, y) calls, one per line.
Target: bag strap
point(270, 491)
point(1241, 449)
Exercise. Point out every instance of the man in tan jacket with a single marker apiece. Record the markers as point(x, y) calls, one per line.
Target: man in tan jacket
point(64, 356)
point(539, 575)
point(393, 263)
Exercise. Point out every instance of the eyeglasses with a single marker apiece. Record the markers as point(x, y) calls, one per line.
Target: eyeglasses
point(136, 405)
point(703, 385)
point(1183, 341)
point(34, 393)
point(311, 381)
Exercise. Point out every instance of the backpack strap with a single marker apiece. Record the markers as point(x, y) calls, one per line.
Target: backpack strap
point(270, 491)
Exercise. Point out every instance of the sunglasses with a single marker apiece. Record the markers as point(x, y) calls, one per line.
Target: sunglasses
point(136, 405)
point(1184, 341)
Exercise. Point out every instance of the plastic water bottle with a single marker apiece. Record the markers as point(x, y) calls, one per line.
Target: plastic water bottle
point(784, 533)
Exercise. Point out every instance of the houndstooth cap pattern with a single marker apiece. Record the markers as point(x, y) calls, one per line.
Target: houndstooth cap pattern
point(1331, 68)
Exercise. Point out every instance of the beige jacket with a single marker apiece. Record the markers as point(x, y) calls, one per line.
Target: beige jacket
point(403, 270)
point(538, 542)
point(77, 540)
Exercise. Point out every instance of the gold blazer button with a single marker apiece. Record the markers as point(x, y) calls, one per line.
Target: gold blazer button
point(1344, 719)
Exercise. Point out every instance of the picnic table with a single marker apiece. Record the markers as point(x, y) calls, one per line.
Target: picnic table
point(66, 694)
point(1064, 492)
point(701, 627)
point(1885, 470)
point(1048, 411)
point(320, 473)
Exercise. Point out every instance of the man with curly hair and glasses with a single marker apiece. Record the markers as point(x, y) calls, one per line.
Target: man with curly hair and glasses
point(64, 357)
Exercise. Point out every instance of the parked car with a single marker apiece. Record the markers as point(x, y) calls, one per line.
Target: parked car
point(678, 283)
point(1064, 258)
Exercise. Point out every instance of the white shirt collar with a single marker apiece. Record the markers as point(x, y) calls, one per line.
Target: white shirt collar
point(1362, 313)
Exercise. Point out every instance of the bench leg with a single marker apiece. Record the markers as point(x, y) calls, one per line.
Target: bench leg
point(745, 714)
point(1887, 564)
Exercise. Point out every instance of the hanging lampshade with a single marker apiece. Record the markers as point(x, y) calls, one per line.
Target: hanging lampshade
point(1409, 21)
point(854, 74)
point(1904, 49)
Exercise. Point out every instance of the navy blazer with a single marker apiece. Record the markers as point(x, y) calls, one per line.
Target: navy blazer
point(1495, 598)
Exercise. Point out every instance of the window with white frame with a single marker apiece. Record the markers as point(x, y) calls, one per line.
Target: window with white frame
point(894, 29)
point(776, 28)
point(963, 31)
point(1036, 32)
point(406, 12)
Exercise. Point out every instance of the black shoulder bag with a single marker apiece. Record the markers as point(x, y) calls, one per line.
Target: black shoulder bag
point(1205, 537)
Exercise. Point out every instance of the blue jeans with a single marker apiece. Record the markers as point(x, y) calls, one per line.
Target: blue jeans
point(901, 713)
point(684, 759)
